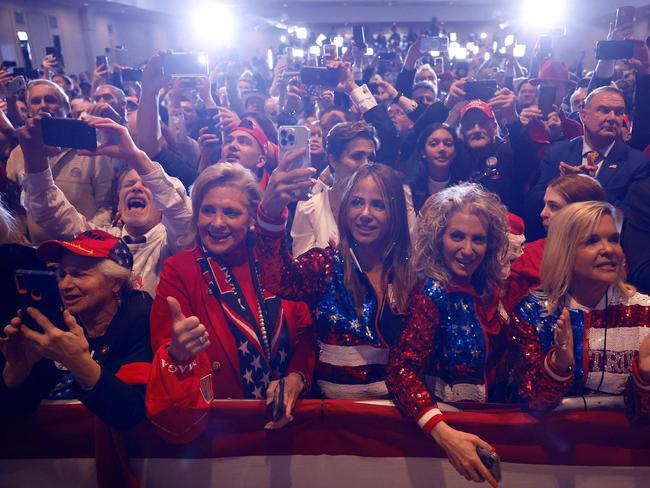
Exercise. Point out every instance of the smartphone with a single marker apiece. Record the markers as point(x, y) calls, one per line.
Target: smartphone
point(131, 74)
point(461, 68)
point(440, 44)
point(546, 99)
point(16, 85)
point(359, 37)
point(480, 90)
point(39, 289)
point(330, 52)
point(70, 133)
point(292, 137)
point(277, 405)
point(615, 49)
point(20, 72)
point(101, 61)
point(185, 65)
point(624, 15)
point(211, 123)
point(386, 56)
point(313, 75)
point(439, 65)
point(491, 461)
point(8, 64)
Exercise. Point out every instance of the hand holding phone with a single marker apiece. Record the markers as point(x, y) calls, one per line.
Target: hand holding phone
point(276, 408)
point(491, 461)
point(480, 90)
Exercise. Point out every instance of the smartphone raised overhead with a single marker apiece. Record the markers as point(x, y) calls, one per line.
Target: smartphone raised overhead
point(131, 74)
point(624, 16)
point(619, 49)
point(16, 85)
point(312, 75)
point(480, 90)
point(292, 137)
point(69, 133)
point(546, 99)
point(438, 43)
point(101, 61)
point(185, 65)
point(40, 290)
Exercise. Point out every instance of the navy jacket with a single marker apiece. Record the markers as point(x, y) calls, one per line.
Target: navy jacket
point(622, 166)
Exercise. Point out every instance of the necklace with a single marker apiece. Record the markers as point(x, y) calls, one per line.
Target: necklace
point(261, 307)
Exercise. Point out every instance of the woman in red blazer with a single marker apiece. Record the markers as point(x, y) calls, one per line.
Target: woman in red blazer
point(216, 333)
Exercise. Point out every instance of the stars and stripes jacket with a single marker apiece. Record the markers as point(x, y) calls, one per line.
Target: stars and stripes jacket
point(353, 347)
point(179, 395)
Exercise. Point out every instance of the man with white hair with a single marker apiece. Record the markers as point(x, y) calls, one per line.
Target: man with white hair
point(86, 181)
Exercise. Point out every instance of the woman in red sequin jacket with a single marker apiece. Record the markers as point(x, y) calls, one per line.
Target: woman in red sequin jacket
point(458, 335)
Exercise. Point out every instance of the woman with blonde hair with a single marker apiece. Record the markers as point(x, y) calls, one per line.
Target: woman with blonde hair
point(456, 332)
point(216, 331)
point(358, 291)
point(593, 327)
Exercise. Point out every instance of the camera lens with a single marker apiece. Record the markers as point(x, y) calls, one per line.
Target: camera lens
point(291, 137)
point(283, 133)
point(283, 142)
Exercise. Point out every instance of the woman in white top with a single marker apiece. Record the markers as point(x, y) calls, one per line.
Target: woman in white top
point(348, 146)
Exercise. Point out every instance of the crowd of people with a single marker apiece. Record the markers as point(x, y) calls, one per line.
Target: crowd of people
point(439, 247)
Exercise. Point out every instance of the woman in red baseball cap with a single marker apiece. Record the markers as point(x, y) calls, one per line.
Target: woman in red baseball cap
point(99, 352)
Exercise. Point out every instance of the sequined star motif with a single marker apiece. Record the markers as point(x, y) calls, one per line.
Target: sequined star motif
point(257, 392)
point(243, 347)
point(334, 318)
point(283, 355)
point(256, 363)
point(355, 325)
point(249, 376)
point(265, 379)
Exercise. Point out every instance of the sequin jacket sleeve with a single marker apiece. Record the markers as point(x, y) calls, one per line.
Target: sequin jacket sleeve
point(540, 385)
point(305, 278)
point(407, 362)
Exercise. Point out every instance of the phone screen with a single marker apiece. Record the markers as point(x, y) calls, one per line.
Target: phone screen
point(480, 90)
point(310, 75)
point(185, 64)
point(101, 61)
point(615, 49)
point(69, 133)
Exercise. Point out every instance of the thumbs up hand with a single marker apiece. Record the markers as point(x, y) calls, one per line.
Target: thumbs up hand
point(189, 336)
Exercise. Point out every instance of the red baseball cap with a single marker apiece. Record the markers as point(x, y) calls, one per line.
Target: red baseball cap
point(479, 105)
point(554, 71)
point(91, 244)
point(253, 129)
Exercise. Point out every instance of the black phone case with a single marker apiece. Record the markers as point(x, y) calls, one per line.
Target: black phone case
point(39, 289)
point(480, 90)
point(319, 76)
point(491, 461)
point(71, 133)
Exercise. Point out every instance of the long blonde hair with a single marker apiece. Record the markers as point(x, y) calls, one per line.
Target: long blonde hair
point(569, 227)
point(433, 222)
point(398, 242)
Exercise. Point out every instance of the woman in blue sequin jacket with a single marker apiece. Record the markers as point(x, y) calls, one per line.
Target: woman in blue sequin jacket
point(457, 342)
point(357, 292)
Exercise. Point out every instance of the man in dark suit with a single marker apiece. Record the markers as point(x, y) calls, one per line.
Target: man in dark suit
point(599, 153)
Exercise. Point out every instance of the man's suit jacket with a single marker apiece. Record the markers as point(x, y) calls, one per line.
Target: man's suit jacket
point(622, 166)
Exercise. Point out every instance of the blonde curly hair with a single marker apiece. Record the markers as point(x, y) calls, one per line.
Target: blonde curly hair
point(433, 222)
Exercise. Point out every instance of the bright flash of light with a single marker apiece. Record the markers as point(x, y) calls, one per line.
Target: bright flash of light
point(483, 35)
point(301, 32)
point(214, 23)
point(434, 54)
point(298, 53)
point(269, 58)
point(370, 52)
point(22, 36)
point(486, 57)
point(509, 40)
point(452, 36)
point(338, 41)
point(320, 39)
point(542, 15)
point(519, 51)
point(314, 50)
point(283, 39)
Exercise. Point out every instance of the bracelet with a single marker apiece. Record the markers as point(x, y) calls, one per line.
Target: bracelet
point(397, 97)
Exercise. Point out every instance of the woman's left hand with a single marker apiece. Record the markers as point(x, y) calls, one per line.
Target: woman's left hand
point(644, 359)
point(293, 386)
point(70, 347)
